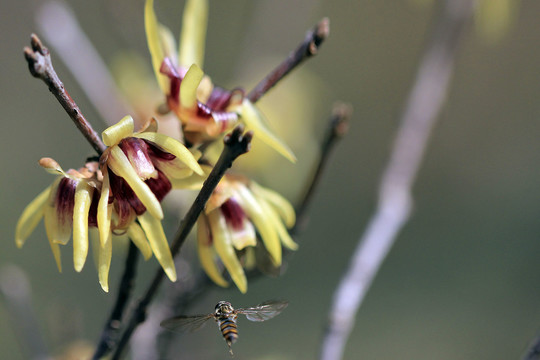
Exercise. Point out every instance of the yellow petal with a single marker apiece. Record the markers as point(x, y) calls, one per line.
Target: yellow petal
point(105, 254)
point(174, 147)
point(255, 121)
point(243, 237)
point(156, 237)
point(275, 221)
point(168, 43)
point(206, 253)
point(152, 27)
point(136, 234)
point(278, 203)
point(194, 182)
point(58, 232)
point(83, 199)
point(188, 87)
point(257, 215)
point(120, 165)
point(30, 217)
point(193, 35)
point(224, 248)
point(113, 134)
point(104, 210)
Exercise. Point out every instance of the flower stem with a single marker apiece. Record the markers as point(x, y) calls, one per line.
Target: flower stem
point(338, 127)
point(236, 144)
point(111, 329)
point(308, 48)
point(40, 66)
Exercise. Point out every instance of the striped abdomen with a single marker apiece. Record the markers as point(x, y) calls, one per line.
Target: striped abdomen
point(227, 325)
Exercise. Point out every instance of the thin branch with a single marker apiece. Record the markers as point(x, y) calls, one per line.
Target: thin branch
point(40, 66)
point(308, 48)
point(338, 126)
point(395, 201)
point(109, 335)
point(236, 144)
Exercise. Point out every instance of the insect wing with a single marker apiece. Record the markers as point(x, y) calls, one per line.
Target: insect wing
point(264, 311)
point(186, 323)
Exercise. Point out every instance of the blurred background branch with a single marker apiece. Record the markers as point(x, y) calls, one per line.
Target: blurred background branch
point(394, 206)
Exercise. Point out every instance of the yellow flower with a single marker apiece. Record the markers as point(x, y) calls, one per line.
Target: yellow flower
point(139, 169)
point(134, 174)
point(238, 209)
point(205, 110)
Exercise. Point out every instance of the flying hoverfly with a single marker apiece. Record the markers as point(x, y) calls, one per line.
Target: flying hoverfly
point(225, 316)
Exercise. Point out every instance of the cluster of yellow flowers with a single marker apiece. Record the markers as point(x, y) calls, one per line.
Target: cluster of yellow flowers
point(120, 195)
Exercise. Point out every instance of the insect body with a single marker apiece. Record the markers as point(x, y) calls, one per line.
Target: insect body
point(225, 316)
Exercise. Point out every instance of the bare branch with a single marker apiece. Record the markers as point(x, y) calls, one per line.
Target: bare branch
point(308, 48)
point(338, 126)
point(395, 201)
point(109, 335)
point(40, 66)
point(236, 144)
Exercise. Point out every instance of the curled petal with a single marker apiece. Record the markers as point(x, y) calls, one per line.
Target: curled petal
point(257, 215)
point(225, 250)
point(104, 211)
point(156, 237)
point(136, 234)
point(255, 121)
point(174, 147)
point(83, 199)
point(113, 134)
point(193, 35)
point(277, 202)
point(206, 253)
point(157, 54)
point(120, 165)
point(30, 217)
point(274, 219)
point(104, 262)
point(188, 87)
point(194, 182)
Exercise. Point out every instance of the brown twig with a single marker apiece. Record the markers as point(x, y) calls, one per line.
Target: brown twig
point(338, 126)
point(308, 48)
point(236, 144)
point(109, 335)
point(40, 66)
point(395, 200)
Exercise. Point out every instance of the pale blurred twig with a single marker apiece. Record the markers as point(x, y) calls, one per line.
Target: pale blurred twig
point(61, 30)
point(395, 201)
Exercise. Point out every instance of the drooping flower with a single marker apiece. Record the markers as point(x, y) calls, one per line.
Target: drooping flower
point(206, 111)
point(139, 169)
point(119, 195)
point(238, 210)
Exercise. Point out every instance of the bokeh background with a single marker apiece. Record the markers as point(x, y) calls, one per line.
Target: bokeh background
point(462, 280)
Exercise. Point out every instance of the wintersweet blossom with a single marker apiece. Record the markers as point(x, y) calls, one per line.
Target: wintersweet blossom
point(118, 196)
point(139, 169)
point(238, 210)
point(206, 111)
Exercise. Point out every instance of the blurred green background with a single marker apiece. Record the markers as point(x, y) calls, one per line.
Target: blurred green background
point(462, 280)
